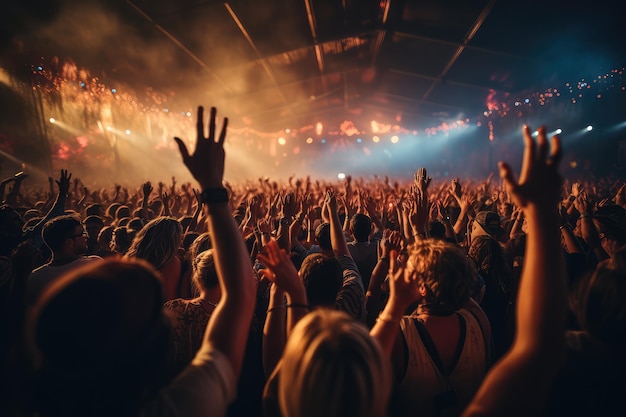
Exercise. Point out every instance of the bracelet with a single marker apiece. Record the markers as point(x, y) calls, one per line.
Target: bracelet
point(214, 195)
point(388, 319)
point(298, 306)
point(269, 310)
point(584, 216)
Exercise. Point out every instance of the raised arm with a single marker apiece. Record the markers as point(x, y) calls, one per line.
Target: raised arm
point(229, 325)
point(520, 382)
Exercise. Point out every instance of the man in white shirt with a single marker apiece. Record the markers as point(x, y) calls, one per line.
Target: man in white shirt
point(67, 240)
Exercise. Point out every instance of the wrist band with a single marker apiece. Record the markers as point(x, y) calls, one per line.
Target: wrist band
point(214, 195)
point(269, 310)
point(584, 215)
point(298, 306)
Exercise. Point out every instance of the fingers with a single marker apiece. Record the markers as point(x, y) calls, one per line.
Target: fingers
point(183, 149)
point(542, 144)
point(223, 132)
point(200, 123)
point(506, 173)
point(557, 152)
point(529, 153)
point(212, 124)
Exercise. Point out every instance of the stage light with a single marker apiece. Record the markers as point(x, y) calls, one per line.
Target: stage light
point(127, 132)
point(309, 140)
point(395, 139)
point(188, 114)
point(573, 164)
point(589, 128)
point(113, 90)
point(52, 120)
point(323, 140)
point(375, 139)
point(359, 140)
point(108, 128)
point(341, 176)
point(558, 131)
point(319, 128)
point(282, 141)
point(535, 134)
point(287, 130)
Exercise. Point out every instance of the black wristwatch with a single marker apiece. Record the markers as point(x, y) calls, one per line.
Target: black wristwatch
point(214, 196)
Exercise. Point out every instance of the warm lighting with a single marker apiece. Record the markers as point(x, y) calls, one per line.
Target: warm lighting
point(287, 130)
point(127, 132)
point(341, 176)
point(376, 139)
point(319, 128)
point(573, 164)
point(309, 140)
point(108, 128)
point(52, 120)
point(282, 141)
point(395, 139)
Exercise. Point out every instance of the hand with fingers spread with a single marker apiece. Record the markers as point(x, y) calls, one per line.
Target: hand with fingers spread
point(422, 180)
point(64, 182)
point(539, 183)
point(280, 270)
point(206, 164)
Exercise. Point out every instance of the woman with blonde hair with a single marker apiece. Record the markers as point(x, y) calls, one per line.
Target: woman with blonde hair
point(331, 367)
point(158, 242)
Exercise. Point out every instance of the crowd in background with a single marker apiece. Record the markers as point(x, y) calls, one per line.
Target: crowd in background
point(304, 297)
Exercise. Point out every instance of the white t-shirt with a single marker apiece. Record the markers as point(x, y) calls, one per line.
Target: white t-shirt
point(46, 274)
point(204, 388)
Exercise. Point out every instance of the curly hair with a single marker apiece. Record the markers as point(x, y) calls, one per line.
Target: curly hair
point(444, 270)
point(157, 242)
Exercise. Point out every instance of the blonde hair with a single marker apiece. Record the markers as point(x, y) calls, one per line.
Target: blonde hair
point(444, 269)
point(157, 242)
point(332, 367)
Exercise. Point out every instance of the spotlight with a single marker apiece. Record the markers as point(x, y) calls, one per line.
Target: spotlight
point(375, 139)
point(359, 140)
point(558, 131)
point(127, 132)
point(309, 140)
point(52, 120)
point(113, 90)
point(395, 139)
point(341, 176)
point(282, 141)
point(323, 140)
point(287, 130)
point(108, 128)
point(589, 128)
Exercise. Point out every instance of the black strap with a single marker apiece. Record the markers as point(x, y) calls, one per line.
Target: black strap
point(432, 349)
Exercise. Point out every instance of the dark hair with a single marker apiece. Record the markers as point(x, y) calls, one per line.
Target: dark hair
point(322, 277)
point(55, 231)
point(94, 219)
point(121, 240)
point(94, 209)
point(437, 230)
point(322, 235)
point(361, 227)
point(121, 212)
point(111, 352)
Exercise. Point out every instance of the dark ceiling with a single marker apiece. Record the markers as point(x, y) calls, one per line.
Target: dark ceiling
point(274, 63)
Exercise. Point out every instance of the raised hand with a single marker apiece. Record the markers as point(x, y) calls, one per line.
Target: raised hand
point(279, 269)
point(64, 182)
point(146, 189)
point(539, 182)
point(207, 162)
point(422, 180)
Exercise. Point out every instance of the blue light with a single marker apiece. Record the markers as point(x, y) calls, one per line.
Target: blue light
point(113, 90)
point(359, 140)
point(82, 84)
point(323, 141)
point(40, 68)
point(527, 101)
